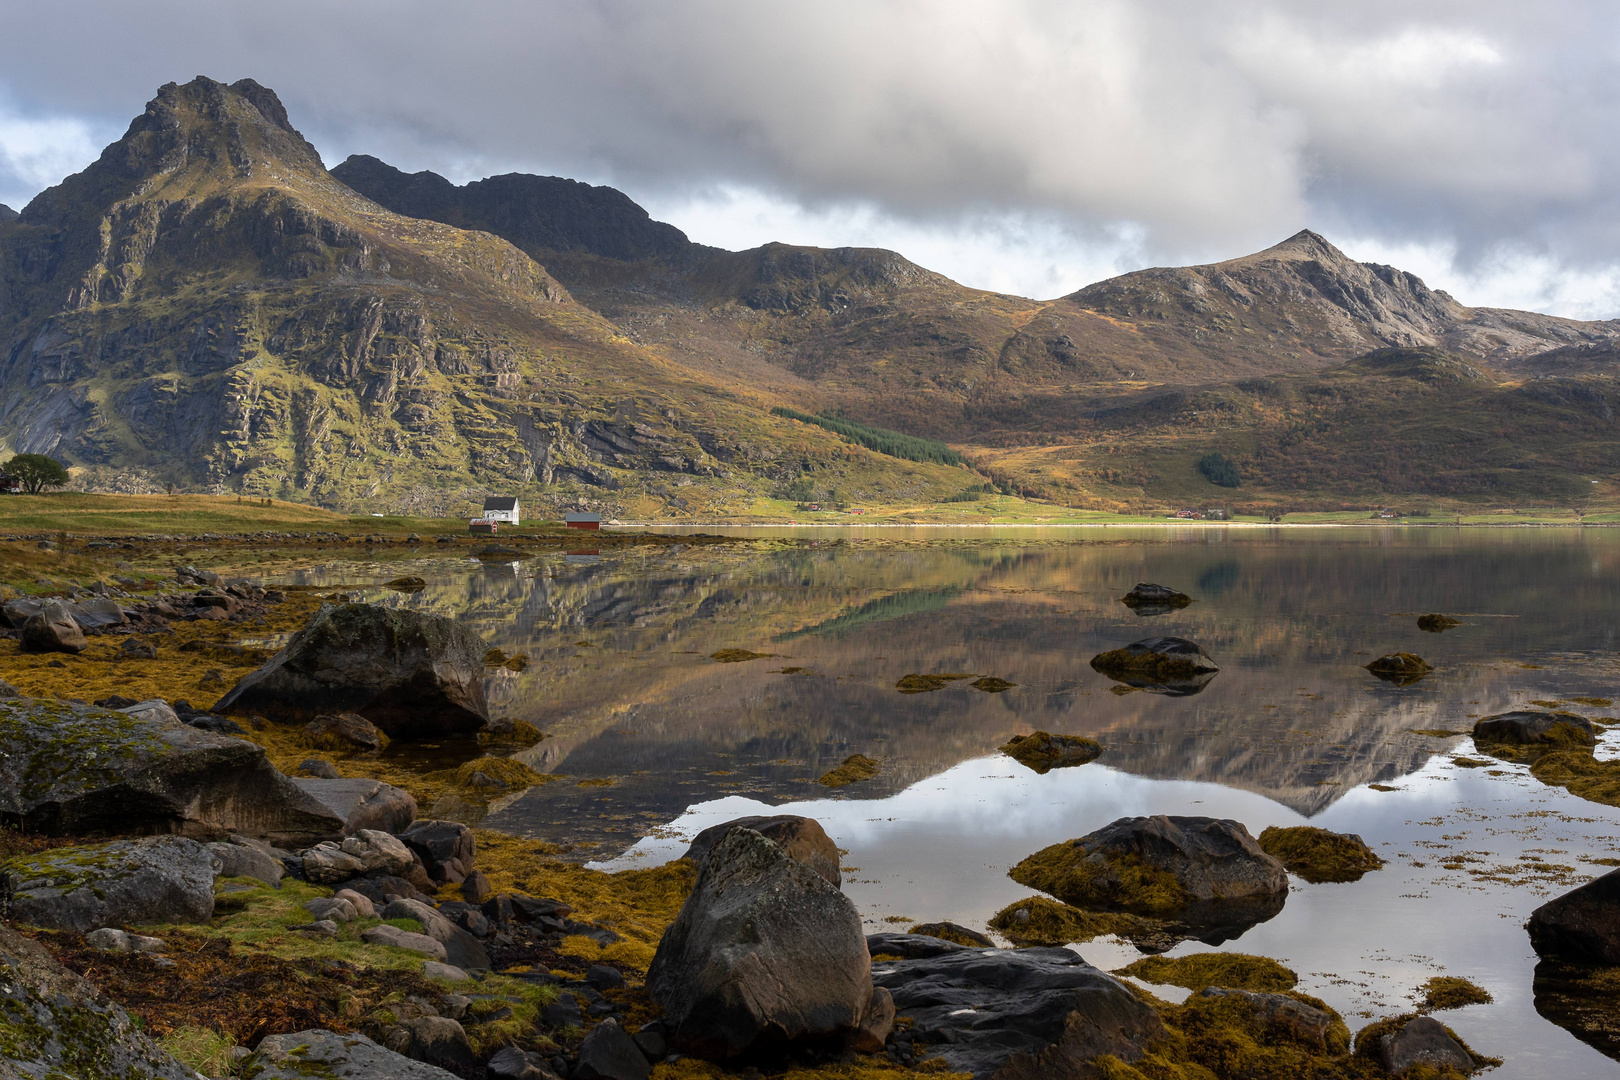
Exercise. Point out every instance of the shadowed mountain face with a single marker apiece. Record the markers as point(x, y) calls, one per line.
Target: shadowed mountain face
point(205, 304)
point(7, 213)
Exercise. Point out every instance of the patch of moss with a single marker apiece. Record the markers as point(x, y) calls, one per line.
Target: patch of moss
point(1106, 880)
point(853, 770)
point(1043, 752)
point(737, 656)
point(1581, 774)
point(202, 1049)
point(518, 733)
point(508, 771)
point(1318, 855)
point(923, 684)
point(1436, 624)
point(1452, 992)
point(1239, 971)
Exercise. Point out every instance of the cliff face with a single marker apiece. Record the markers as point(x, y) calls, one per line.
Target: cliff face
point(206, 305)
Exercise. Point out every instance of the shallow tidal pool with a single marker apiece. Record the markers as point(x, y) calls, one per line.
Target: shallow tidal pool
point(1291, 731)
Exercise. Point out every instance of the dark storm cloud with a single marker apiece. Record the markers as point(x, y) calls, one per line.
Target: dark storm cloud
point(1201, 128)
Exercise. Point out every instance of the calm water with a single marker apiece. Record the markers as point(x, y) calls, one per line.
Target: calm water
point(1291, 731)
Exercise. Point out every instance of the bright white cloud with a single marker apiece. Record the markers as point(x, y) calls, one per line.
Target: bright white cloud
point(36, 153)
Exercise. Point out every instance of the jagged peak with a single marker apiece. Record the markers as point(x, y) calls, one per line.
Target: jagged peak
point(1304, 244)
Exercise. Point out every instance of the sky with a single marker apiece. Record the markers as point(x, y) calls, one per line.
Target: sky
point(1028, 146)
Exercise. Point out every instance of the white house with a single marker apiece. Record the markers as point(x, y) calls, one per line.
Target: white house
point(501, 508)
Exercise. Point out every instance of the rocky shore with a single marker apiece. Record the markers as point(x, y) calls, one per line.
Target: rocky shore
point(238, 885)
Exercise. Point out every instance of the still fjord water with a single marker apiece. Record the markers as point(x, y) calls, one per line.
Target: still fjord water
point(1291, 731)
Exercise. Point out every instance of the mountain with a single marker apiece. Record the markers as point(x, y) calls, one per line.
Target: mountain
point(7, 214)
point(206, 305)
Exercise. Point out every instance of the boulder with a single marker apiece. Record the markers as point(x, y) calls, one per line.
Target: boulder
point(432, 969)
point(439, 1040)
point(319, 769)
point(1582, 926)
point(1168, 665)
point(1207, 874)
point(1423, 1040)
point(55, 1024)
point(477, 889)
point(1284, 1015)
point(97, 613)
point(17, 611)
point(159, 879)
point(361, 803)
point(801, 837)
point(112, 939)
point(9, 691)
point(396, 938)
point(1318, 855)
point(332, 908)
point(446, 848)
point(362, 905)
point(461, 948)
point(1044, 752)
point(1014, 1014)
point(765, 951)
point(78, 770)
point(52, 629)
point(912, 946)
point(378, 852)
point(953, 932)
point(327, 864)
point(609, 1053)
point(1435, 623)
point(241, 860)
point(510, 1063)
point(344, 731)
point(1528, 727)
point(303, 1054)
point(409, 673)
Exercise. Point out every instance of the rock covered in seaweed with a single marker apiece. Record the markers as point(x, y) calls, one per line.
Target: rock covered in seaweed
point(1150, 599)
point(764, 952)
point(55, 1024)
point(1169, 665)
point(1435, 623)
point(1318, 855)
point(1044, 752)
point(1402, 668)
point(409, 673)
point(76, 769)
point(1528, 727)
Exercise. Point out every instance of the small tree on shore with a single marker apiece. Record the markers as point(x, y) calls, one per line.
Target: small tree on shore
point(36, 472)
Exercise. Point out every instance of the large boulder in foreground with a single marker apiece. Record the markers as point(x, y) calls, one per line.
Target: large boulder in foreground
point(1203, 871)
point(764, 952)
point(1012, 1014)
point(52, 629)
point(55, 1024)
point(305, 1054)
point(79, 770)
point(1532, 728)
point(1582, 926)
point(801, 837)
point(160, 879)
point(409, 673)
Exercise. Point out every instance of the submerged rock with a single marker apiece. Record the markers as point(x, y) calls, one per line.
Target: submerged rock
point(764, 952)
point(52, 629)
point(852, 770)
point(1013, 1014)
point(1206, 877)
point(79, 770)
point(1436, 624)
point(409, 673)
point(1543, 730)
point(55, 1024)
point(304, 1054)
point(1318, 855)
point(1402, 668)
point(1582, 926)
point(160, 879)
point(801, 837)
point(1044, 752)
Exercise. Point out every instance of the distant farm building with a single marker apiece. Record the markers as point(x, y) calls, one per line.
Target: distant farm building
point(481, 527)
point(502, 508)
point(583, 521)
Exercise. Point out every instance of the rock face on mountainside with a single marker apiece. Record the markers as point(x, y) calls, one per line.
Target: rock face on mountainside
point(206, 304)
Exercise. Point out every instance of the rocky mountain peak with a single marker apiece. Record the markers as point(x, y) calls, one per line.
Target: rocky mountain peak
point(7, 214)
point(1304, 244)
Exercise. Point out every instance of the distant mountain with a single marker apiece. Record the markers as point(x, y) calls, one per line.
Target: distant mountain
point(7, 214)
point(206, 305)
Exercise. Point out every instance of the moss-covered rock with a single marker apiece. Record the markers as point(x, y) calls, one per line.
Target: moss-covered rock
point(1236, 970)
point(1044, 752)
point(1318, 855)
point(1036, 920)
point(80, 770)
point(1529, 728)
point(1452, 992)
point(160, 879)
point(1436, 624)
point(1159, 659)
point(1402, 668)
point(53, 1024)
point(852, 770)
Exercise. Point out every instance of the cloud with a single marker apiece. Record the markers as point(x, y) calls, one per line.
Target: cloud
point(1024, 136)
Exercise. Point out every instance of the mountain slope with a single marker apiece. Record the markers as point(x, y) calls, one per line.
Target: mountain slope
point(206, 305)
point(865, 332)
